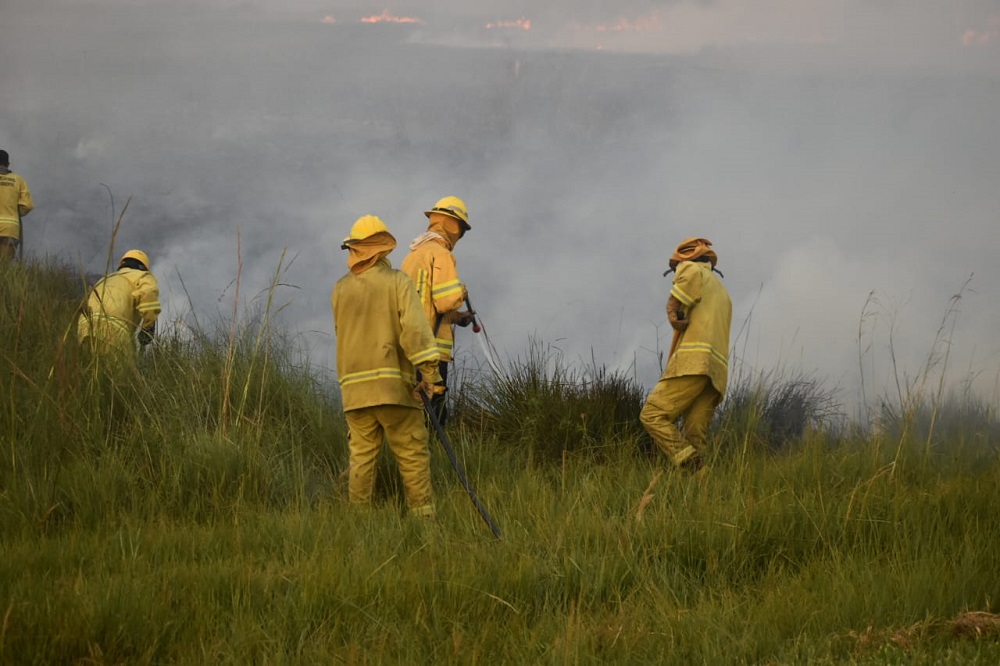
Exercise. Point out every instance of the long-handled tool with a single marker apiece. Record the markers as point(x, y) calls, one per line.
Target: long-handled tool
point(458, 466)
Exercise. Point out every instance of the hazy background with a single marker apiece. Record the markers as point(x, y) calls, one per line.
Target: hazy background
point(830, 150)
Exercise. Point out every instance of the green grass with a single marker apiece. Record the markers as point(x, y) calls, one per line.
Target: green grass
point(195, 512)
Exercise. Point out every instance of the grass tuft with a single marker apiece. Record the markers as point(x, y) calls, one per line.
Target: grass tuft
point(773, 411)
point(543, 406)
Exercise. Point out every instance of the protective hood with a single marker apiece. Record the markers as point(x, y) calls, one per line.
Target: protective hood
point(691, 249)
point(365, 253)
point(446, 226)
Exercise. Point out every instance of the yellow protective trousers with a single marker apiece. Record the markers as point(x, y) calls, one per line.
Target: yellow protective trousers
point(692, 397)
point(406, 433)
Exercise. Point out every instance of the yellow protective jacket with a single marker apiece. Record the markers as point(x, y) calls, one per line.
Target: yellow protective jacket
point(431, 266)
point(381, 335)
point(703, 347)
point(118, 304)
point(15, 202)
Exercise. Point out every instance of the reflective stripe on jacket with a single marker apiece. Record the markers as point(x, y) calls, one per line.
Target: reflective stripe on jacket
point(703, 347)
point(381, 335)
point(13, 193)
point(432, 268)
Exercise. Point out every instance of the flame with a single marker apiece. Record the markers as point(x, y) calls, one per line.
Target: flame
point(991, 33)
point(520, 24)
point(328, 19)
point(386, 17)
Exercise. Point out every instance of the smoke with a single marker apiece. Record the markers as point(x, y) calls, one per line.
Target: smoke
point(828, 150)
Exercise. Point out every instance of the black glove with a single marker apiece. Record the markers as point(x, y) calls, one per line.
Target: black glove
point(146, 335)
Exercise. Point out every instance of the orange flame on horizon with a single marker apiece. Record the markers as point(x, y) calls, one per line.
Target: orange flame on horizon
point(520, 24)
point(386, 17)
point(973, 37)
point(328, 19)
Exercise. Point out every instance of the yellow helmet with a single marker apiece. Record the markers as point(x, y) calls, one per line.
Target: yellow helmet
point(454, 207)
point(138, 255)
point(365, 226)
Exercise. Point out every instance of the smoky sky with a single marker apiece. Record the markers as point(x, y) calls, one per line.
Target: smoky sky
point(843, 160)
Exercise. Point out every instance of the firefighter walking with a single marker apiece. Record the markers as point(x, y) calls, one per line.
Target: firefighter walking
point(15, 203)
point(119, 306)
point(432, 267)
point(692, 385)
point(382, 339)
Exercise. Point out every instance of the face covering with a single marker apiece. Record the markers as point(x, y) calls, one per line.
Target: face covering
point(448, 227)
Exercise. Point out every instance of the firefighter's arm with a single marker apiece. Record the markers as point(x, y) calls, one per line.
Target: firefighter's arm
point(417, 340)
point(447, 290)
point(415, 337)
point(147, 300)
point(24, 204)
point(675, 314)
point(688, 285)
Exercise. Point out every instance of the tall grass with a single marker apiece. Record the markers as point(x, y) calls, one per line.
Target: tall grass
point(147, 518)
point(774, 412)
point(543, 408)
point(198, 424)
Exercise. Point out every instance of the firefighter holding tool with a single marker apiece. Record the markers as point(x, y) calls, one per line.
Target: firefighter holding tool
point(432, 267)
point(692, 385)
point(383, 339)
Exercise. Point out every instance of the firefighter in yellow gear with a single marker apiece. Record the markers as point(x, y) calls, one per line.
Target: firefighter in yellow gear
point(692, 385)
point(382, 339)
point(432, 267)
point(15, 203)
point(119, 305)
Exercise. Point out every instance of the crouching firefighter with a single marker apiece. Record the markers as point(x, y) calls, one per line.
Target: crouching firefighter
point(382, 338)
point(432, 267)
point(119, 307)
point(700, 312)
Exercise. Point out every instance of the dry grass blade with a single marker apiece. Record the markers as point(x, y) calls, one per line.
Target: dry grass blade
point(647, 496)
point(973, 624)
point(976, 624)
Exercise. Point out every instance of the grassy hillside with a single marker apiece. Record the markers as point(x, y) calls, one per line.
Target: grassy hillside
point(194, 510)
